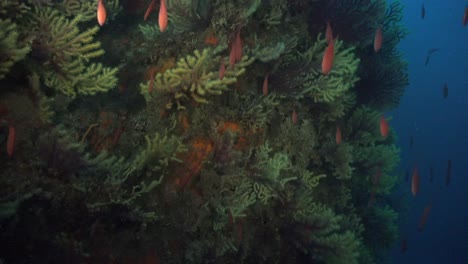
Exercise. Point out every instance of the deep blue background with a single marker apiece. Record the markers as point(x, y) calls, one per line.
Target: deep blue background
point(440, 131)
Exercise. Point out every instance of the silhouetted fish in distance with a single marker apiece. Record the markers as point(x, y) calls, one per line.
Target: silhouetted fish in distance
point(404, 245)
point(445, 90)
point(423, 11)
point(430, 51)
point(424, 217)
point(415, 181)
point(428, 55)
point(465, 16)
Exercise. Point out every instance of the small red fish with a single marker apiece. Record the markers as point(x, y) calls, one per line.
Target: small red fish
point(383, 127)
point(11, 140)
point(378, 39)
point(424, 216)
point(465, 16)
point(239, 233)
point(3, 111)
point(294, 117)
point(338, 135)
point(377, 177)
point(415, 182)
point(329, 34)
point(371, 201)
point(151, 83)
point(101, 13)
point(163, 16)
point(149, 9)
point(265, 85)
point(222, 69)
point(236, 50)
point(232, 55)
point(238, 46)
point(403, 245)
point(328, 57)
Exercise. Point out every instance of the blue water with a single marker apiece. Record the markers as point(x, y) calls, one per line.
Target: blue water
point(440, 130)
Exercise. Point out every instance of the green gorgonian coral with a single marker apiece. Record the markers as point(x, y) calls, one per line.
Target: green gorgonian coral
point(11, 48)
point(65, 53)
point(327, 88)
point(194, 77)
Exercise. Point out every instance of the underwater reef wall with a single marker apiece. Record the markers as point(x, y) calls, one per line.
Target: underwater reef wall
point(246, 131)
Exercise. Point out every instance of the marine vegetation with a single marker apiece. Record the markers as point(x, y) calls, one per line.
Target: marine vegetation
point(214, 140)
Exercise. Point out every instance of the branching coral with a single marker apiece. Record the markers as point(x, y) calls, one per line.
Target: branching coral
point(341, 158)
point(272, 169)
point(237, 166)
point(298, 141)
point(370, 152)
point(385, 220)
point(311, 180)
point(384, 76)
point(61, 156)
point(322, 235)
point(326, 88)
point(229, 15)
point(43, 102)
point(182, 19)
point(12, 49)
point(12, 9)
point(87, 9)
point(194, 77)
point(159, 151)
point(362, 127)
point(252, 110)
point(354, 21)
point(65, 53)
point(303, 76)
point(269, 53)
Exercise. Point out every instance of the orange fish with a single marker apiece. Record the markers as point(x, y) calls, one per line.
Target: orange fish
point(101, 13)
point(415, 182)
point(149, 9)
point(403, 245)
point(383, 127)
point(151, 82)
point(294, 117)
point(238, 46)
point(377, 177)
point(465, 16)
point(328, 56)
point(424, 216)
point(163, 16)
point(265, 85)
point(329, 33)
point(338, 135)
point(232, 55)
point(378, 39)
point(11, 140)
point(3, 111)
point(239, 233)
point(236, 50)
point(222, 69)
